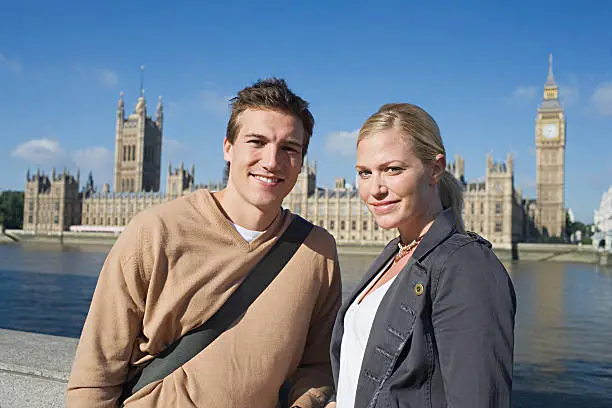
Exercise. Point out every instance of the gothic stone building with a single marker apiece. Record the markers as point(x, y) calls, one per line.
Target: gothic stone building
point(51, 203)
point(492, 207)
point(54, 204)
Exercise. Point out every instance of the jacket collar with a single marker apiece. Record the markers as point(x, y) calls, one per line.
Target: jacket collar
point(442, 228)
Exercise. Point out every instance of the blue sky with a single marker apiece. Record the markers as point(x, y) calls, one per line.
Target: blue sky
point(478, 68)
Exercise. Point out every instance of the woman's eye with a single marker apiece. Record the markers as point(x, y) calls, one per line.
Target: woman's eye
point(393, 170)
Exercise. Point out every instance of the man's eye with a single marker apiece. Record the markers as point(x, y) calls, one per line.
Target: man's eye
point(363, 173)
point(256, 142)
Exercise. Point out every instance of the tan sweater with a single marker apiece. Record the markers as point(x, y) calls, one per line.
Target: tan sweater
point(168, 272)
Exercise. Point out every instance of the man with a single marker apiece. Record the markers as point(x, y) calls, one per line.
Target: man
point(177, 263)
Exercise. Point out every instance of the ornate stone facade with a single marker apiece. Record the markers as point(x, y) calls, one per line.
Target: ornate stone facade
point(51, 202)
point(116, 209)
point(138, 146)
point(492, 208)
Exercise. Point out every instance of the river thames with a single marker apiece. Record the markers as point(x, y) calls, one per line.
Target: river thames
point(563, 356)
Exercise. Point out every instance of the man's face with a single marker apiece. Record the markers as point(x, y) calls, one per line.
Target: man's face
point(265, 158)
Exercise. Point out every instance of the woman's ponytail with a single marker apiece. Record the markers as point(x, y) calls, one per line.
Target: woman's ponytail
point(451, 196)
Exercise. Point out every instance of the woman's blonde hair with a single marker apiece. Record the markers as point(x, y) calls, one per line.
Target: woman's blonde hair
point(423, 133)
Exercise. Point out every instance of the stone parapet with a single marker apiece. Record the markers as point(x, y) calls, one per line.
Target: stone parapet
point(34, 369)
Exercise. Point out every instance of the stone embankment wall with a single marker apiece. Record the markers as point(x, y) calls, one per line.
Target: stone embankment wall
point(34, 369)
point(526, 251)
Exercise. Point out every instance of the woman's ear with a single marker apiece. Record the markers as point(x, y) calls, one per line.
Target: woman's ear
point(438, 168)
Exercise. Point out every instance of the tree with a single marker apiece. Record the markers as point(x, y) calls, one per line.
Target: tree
point(11, 209)
point(585, 231)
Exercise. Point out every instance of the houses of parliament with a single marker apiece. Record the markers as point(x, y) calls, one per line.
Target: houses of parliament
point(494, 208)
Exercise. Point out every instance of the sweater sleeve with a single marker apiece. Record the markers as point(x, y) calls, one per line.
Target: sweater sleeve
point(313, 384)
point(112, 325)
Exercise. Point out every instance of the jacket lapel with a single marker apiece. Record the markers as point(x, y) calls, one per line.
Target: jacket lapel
point(397, 312)
point(378, 263)
point(338, 331)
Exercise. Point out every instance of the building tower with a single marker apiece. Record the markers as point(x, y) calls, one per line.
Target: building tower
point(52, 203)
point(179, 181)
point(305, 186)
point(138, 145)
point(550, 139)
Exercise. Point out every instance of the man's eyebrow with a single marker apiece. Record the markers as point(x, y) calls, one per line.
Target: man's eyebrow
point(257, 135)
point(293, 142)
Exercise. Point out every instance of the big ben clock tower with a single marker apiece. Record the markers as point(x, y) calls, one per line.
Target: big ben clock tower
point(550, 158)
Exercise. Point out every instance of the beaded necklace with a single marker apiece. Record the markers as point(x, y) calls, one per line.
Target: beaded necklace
point(405, 249)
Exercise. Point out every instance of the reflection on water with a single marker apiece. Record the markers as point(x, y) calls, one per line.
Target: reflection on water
point(563, 332)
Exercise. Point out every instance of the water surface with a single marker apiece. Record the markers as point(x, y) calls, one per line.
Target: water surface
point(563, 356)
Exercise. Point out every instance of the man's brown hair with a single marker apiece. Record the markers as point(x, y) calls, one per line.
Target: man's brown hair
point(270, 94)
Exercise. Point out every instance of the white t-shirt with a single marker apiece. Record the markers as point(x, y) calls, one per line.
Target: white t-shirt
point(357, 324)
point(247, 234)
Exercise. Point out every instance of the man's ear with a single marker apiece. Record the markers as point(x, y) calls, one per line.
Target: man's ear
point(438, 168)
point(227, 148)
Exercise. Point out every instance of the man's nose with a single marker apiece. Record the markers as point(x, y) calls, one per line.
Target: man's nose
point(270, 159)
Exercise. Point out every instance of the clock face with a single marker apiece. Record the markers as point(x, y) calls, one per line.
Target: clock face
point(550, 131)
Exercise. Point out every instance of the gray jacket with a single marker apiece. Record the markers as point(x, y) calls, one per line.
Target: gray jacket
point(443, 335)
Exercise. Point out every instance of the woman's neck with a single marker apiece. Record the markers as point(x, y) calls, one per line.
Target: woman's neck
point(420, 224)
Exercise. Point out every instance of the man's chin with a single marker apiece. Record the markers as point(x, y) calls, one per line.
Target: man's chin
point(267, 203)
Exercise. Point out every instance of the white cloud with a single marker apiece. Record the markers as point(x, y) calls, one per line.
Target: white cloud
point(569, 93)
point(93, 157)
point(12, 64)
point(170, 145)
point(214, 102)
point(104, 76)
point(41, 152)
point(107, 77)
point(97, 160)
point(172, 109)
point(201, 101)
point(522, 94)
point(342, 142)
point(49, 153)
point(601, 100)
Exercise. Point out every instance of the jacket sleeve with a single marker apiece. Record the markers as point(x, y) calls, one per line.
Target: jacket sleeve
point(473, 312)
point(114, 321)
point(313, 384)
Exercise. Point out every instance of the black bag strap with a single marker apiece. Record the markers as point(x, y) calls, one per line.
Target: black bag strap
point(196, 340)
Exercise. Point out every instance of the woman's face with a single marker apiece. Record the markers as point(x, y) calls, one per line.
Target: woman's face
point(394, 184)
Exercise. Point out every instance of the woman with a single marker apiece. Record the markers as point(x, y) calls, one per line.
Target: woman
point(432, 322)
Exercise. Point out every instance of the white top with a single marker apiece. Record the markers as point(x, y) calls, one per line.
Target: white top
point(247, 234)
point(357, 324)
